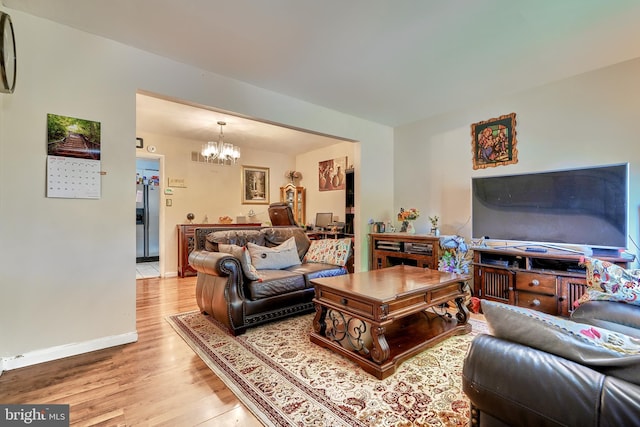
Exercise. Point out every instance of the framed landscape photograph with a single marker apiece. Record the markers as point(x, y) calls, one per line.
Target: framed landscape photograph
point(493, 142)
point(255, 185)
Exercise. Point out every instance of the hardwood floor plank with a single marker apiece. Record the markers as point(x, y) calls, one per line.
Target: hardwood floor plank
point(156, 381)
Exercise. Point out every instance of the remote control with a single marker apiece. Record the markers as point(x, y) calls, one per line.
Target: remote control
point(541, 250)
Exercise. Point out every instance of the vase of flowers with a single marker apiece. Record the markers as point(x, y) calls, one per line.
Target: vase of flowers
point(406, 217)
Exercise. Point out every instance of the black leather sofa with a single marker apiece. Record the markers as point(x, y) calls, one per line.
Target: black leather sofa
point(224, 291)
point(513, 384)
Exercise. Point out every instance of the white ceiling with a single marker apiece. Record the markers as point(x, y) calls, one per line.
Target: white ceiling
point(199, 123)
point(392, 62)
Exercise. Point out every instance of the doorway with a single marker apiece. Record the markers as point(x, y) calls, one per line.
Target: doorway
point(148, 190)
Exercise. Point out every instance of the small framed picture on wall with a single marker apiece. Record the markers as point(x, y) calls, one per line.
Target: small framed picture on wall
point(255, 185)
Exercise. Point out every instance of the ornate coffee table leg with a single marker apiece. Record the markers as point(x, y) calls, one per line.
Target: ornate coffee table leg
point(319, 321)
point(380, 348)
point(463, 313)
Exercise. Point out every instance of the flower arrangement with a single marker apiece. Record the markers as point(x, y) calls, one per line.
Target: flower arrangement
point(434, 221)
point(456, 257)
point(291, 175)
point(408, 215)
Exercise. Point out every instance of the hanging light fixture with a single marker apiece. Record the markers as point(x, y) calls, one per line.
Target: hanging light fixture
point(224, 152)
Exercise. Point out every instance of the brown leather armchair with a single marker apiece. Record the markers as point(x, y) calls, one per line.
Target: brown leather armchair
point(281, 214)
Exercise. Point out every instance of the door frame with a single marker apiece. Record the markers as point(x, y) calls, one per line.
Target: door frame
point(161, 234)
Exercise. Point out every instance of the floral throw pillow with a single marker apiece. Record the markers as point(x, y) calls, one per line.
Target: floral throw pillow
point(329, 251)
point(610, 282)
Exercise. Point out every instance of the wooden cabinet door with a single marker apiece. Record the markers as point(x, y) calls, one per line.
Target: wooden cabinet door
point(495, 284)
point(569, 290)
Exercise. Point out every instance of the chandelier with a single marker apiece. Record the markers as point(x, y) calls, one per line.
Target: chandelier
point(223, 152)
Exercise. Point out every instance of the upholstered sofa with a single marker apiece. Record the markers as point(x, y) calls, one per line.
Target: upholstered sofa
point(247, 277)
point(539, 370)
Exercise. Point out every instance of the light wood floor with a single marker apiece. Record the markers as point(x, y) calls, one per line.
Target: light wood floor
point(158, 380)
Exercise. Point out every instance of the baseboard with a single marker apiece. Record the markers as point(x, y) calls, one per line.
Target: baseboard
point(62, 351)
point(171, 273)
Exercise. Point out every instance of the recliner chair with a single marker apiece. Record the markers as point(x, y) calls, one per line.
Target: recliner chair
point(281, 214)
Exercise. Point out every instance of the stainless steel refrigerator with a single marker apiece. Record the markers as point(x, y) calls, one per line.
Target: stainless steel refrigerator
point(147, 215)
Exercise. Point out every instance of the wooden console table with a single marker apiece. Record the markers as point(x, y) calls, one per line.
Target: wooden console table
point(388, 249)
point(186, 244)
point(380, 318)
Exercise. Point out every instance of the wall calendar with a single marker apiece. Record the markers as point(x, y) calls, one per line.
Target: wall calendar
point(73, 158)
point(73, 178)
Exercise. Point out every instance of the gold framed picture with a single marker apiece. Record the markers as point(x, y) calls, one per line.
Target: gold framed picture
point(493, 142)
point(255, 185)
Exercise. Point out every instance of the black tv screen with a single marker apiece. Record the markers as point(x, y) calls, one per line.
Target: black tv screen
point(579, 206)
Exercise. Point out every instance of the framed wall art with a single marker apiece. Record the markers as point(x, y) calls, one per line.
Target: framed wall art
point(255, 185)
point(331, 175)
point(493, 142)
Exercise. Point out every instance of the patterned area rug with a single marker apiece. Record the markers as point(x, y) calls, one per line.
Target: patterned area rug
point(286, 380)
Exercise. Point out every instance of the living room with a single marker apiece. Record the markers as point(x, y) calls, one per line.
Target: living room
point(79, 296)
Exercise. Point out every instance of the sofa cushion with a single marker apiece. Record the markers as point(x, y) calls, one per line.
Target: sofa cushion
point(312, 270)
point(329, 251)
point(277, 258)
point(607, 351)
point(275, 236)
point(610, 282)
point(242, 254)
point(275, 282)
point(235, 237)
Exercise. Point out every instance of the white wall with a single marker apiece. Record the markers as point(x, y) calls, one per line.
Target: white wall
point(323, 201)
point(590, 119)
point(67, 268)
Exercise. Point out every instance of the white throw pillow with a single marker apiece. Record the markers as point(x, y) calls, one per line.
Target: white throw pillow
point(277, 258)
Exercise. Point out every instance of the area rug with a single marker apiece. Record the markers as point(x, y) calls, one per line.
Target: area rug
point(286, 380)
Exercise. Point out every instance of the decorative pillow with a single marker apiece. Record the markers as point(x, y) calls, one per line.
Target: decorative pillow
point(329, 251)
point(610, 282)
point(241, 253)
point(275, 236)
point(588, 345)
point(276, 258)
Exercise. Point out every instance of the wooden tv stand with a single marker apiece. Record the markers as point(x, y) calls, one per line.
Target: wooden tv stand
point(546, 281)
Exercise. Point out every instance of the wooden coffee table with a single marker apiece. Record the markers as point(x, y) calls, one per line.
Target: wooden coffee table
point(380, 318)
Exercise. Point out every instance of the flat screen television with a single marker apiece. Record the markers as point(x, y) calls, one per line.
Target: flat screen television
point(585, 207)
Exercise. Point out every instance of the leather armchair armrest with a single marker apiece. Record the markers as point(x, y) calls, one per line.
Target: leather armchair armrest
point(220, 287)
point(210, 262)
point(520, 385)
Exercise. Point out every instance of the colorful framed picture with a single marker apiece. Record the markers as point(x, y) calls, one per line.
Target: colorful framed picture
point(493, 142)
point(73, 137)
point(255, 185)
point(331, 175)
